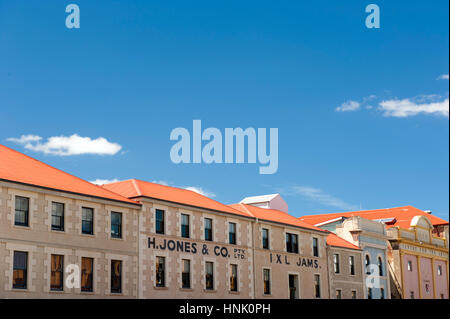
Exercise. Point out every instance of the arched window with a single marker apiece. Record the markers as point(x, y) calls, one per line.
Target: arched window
point(380, 266)
point(367, 265)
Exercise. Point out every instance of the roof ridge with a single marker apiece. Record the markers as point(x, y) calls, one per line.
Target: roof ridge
point(245, 208)
point(358, 211)
point(61, 171)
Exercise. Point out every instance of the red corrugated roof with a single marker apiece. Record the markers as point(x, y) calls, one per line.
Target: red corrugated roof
point(336, 241)
point(273, 215)
point(18, 167)
point(403, 216)
point(135, 188)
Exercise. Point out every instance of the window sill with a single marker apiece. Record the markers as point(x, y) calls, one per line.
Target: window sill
point(211, 291)
point(57, 291)
point(117, 238)
point(234, 292)
point(88, 235)
point(22, 227)
point(161, 288)
point(57, 231)
point(187, 289)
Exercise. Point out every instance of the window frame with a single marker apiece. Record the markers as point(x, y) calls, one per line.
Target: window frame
point(208, 232)
point(185, 229)
point(160, 272)
point(351, 265)
point(120, 225)
point(61, 218)
point(209, 277)
point(315, 247)
point(21, 210)
point(265, 240)
point(267, 283)
point(19, 268)
point(90, 276)
point(317, 288)
point(336, 264)
point(56, 271)
point(232, 235)
point(234, 278)
point(83, 220)
point(160, 223)
point(116, 289)
point(185, 274)
point(292, 245)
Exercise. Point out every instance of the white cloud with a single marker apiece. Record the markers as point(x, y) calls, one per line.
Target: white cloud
point(407, 107)
point(68, 145)
point(161, 182)
point(318, 196)
point(104, 181)
point(443, 77)
point(201, 191)
point(25, 139)
point(348, 106)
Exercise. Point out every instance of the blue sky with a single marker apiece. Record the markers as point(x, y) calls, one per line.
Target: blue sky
point(135, 70)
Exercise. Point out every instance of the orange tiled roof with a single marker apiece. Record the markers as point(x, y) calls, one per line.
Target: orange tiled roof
point(336, 241)
point(403, 216)
point(135, 188)
point(273, 215)
point(18, 167)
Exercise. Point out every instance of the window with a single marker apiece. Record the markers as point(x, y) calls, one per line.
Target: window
point(57, 273)
point(266, 274)
point(159, 226)
point(336, 263)
point(208, 229)
point(22, 210)
point(410, 265)
point(351, 262)
point(411, 294)
point(184, 225)
point(87, 274)
point(57, 216)
point(116, 276)
point(160, 272)
point(87, 221)
point(291, 243)
point(369, 293)
point(20, 269)
point(234, 277)
point(353, 294)
point(265, 238)
point(317, 286)
point(186, 274)
point(439, 270)
point(209, 277)
point(442, 296)
point(116, 225)
point(232, 233)
point(382, 293)
point(367, 265)
point(380, 266)
point(338, 294)
point(315, 247)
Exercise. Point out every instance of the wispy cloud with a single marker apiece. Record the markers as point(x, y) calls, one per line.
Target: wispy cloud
point(104, 181)
point(443, 77)
point(348, 106)
point(68, 145)
point(317, 195)
point(407, 107)
point(200, 190)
